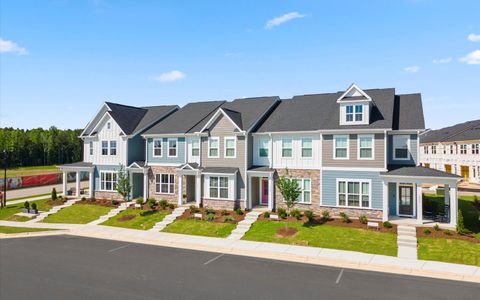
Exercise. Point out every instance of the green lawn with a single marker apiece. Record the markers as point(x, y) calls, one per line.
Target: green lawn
point(449, 250)
point(9, 229)
point(35, 170)
point(46, 196)
point(10, 210)
point(143, 219)
point(326, 236)
point(78, 214)
point(200, 227)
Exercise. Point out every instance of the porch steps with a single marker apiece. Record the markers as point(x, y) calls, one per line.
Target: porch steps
point(244, 226)
point(54, 209)
point(112, 213)
point(177, 212)
point(407, 242)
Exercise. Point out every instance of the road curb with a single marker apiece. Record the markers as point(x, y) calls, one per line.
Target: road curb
point(33, 234)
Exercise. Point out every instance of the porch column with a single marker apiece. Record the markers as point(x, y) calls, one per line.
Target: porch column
point(77, 184)
point(145, 186)
point(453, 205)
point(270, 192)
point(419, 204)
point(198, 189)
point(249, 202)
point(446, 189)
point(385, 202)
point(64, 183)
point(180, 194)
point(90, 184)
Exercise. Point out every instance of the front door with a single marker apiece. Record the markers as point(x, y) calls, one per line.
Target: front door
point(264, 191)
point(405, 198)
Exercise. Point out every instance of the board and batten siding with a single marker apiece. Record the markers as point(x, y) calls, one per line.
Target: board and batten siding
point(164, 159)
point(222, 127)
point(413, 147)
point(329, 186)
point(353, 161)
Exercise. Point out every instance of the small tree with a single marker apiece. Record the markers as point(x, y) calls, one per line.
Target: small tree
point(460, 224)
point(54, 194)
point(123, 183)
point(290, 190)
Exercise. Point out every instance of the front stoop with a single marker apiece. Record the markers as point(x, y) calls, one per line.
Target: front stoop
point(111, 213)
point(244, 226)
point(55, 209)
point(177, 212)
point(407, 242)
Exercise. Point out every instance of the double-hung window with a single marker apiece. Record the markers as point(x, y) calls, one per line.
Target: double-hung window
point(104, 147)
point(287, 148)
point(349, 113)
point(340, 150)
point(354, 113)
point(90, 144)
point(365, 147)
point(157, 147)
point(475, 148)
point(463, 149)
point(425, 149)
point(451, 149)
point(172, 147)
point(358, 113)
point(306, 187)
point(213, 145)
point(108, 180)
point(113, 147)
point(230, 146)
point(307, 147)
point(164, 183)
point(219, 187)
point(195, 147)
point(434, 149)
point(263, 148)
point(353, 193)
point(400, 147)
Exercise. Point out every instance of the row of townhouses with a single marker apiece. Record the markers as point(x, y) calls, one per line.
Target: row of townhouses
point(353, 151)
point(454, 149)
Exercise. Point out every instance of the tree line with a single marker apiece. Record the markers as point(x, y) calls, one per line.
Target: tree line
point(37, 147)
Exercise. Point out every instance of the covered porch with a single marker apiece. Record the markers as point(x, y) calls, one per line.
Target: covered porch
point(77, 168)
point(189, 180)
point(261, 188)
point(404, 202)
point(138, 175)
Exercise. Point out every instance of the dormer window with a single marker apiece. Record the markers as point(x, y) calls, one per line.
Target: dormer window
point(355, 106)
point(109, 125)
point(354, 112)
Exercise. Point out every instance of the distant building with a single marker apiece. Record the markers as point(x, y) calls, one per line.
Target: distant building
point(454, 149)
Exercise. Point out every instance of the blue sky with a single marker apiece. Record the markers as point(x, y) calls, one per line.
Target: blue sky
point(61, 59)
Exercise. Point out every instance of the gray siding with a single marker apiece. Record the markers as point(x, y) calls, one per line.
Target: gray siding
point(413, 152)
point(392, 204)
point(180, 159)
point(329, 186)
point(221, 128)
point(353, 161)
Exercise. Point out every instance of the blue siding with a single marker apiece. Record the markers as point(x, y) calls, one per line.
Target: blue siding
point(180, 159)
point(392, 196)
point(413, 151)
point(329, 186)
point(136, 149)
point(99, 168)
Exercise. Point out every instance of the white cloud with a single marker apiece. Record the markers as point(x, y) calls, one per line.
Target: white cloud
point(170, 76)
point(442, 60)
point(472, 58)
point(472, 37)
point(412, 69)
point(282, 19)
point(9, 46)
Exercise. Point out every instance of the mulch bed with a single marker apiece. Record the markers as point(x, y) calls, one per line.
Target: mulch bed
point(219, 218)
point(126, 218)
point(101, 202)
point(286, 231)
point(447, 234)
point(55, 202)
point(333, 221)
point(145, 206)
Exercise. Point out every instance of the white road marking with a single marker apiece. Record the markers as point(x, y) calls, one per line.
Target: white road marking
point(118, 248)
point(339, 277)
point(214, 259)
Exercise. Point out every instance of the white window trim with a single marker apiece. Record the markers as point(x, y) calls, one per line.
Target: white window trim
point(302, 195)
point(160, 183)
point(168, 147)
point(90, 148)
point(234, 138)
point(372, 136)
point(218, 148)
point(355, 122)
point(260, 141)
point(101, 148)
point(110, 148)
point(161, 147)
point(408, 147)
point(192, 148)
point(218, 188)
point(301, 147)
point(100, 180)
point(291, 148)
point(335, 144)
point(360, 181)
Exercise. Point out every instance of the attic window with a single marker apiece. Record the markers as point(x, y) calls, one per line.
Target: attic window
point(108, 125)
point(354, 113)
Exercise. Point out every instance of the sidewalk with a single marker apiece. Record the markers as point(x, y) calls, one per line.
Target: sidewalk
point(310, 255)
point(38, 190)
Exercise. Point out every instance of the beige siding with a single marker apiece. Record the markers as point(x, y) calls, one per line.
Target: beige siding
point(221, 128)
point(353, 161)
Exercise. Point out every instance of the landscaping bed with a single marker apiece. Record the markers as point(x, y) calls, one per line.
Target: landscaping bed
point(102, 202)
point(78, 214)
point(143, 218)
point(449, 250)
point(219, 216)
point(431, 232)
point(8, 213)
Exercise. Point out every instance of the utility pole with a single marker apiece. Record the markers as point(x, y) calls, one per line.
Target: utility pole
point(4, 200)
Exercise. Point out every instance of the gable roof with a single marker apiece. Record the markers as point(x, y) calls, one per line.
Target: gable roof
point(460, 132)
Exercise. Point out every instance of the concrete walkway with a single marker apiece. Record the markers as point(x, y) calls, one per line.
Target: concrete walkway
point(407, 242)
point(54, 209)
point(311, 255)
point(244, 226)
point(177, 212)
point(112, 213)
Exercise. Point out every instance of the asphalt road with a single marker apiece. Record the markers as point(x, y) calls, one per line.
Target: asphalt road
point(67, 267)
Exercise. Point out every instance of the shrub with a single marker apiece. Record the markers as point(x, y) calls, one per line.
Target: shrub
point(476, 202)
point(282, 213)
point(266, 214)
point(163, 203)
point(296, 214)
point(224, 212)
point(309, 215)
point(34, 206)
point(209, 217)
point(193, 209)
point(427, 231)
point(436, 227)
point(363, 219)
point(151, 203)
point(139, 200)
point(26, 204)
point(325, 215)
point(345, 217)
point(83, 198)
point(171, 206)
point(228, 218)
point(387, 224)
point(460, 225)
point(209, 210)
point(114, 202)
point(238, 211)
point(54, 194)
point(448, 232)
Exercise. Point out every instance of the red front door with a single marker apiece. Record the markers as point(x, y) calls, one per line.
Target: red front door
point(264, 191)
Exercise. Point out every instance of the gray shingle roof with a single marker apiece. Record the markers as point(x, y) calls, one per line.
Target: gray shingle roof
point(460, 132)
point(417, 171)
point(80, 164)
point(408, 112)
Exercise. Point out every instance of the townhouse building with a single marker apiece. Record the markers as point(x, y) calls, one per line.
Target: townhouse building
point(454, 149)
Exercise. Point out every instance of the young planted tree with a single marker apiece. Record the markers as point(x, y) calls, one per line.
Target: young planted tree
point(54, 194)
point(290, 190)
point(124, 185)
